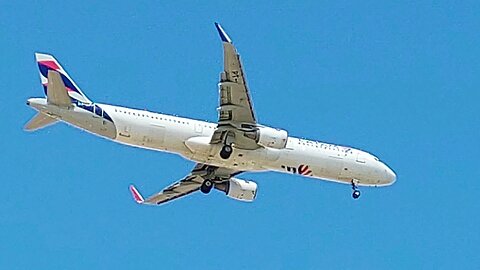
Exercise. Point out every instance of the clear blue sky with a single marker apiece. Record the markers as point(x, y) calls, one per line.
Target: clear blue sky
point(399, 80)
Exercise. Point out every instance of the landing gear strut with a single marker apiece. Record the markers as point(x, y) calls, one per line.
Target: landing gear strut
point(356, 192)
point(226, 151)
point(206, 186)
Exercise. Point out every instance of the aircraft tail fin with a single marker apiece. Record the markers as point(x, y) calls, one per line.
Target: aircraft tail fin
point(48, 63)
point(39, 121)
point(57, 93)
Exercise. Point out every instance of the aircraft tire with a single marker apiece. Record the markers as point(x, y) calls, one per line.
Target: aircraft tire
point(206, 186)
point(356, 194)
point(226, 151)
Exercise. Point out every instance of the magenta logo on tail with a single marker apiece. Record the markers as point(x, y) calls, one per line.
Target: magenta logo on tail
point(50, 64)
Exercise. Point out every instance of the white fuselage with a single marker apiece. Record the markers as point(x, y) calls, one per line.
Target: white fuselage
point(191, 139)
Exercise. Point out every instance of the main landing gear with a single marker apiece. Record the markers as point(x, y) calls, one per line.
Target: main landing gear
point(356, 192)
point(206, 186)
point(226, 151)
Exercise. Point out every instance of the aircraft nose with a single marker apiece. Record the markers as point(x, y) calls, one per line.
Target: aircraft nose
point(390, 175)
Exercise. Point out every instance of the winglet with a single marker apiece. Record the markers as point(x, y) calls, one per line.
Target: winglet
point(135, 194)
point(222, 33)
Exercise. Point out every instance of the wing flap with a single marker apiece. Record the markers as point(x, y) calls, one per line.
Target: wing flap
point(176, 190)
point(188, 185)
point(233, 89)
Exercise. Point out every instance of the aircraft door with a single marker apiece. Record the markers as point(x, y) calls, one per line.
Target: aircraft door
point(360, 157)
point(97, 111)
point(126, 131)
point(198, 128)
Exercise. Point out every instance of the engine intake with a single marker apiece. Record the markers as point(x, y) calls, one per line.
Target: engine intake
point(241, 190)
point(269, 137)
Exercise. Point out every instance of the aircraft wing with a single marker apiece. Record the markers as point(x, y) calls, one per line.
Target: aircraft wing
point(187, 185)
point(236, 114)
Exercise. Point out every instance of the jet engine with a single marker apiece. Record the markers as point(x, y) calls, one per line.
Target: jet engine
point(269, 137)
point(239, 189)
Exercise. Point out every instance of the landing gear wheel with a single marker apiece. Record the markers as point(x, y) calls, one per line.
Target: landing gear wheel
point(356, 194)
point(206, 186)
point(226, 151)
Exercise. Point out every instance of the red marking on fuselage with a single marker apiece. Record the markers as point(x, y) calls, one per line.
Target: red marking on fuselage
point(304, 170)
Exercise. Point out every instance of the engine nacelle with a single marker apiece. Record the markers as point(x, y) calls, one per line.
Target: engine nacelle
point(270, 137)
point(241, 190)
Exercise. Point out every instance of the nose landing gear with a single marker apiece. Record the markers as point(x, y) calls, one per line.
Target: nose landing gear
point(356, 192)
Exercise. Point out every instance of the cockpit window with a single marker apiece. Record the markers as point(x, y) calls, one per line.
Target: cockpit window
point(373, 157)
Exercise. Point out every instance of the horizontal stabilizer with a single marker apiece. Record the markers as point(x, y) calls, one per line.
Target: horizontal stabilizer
point(39, 121)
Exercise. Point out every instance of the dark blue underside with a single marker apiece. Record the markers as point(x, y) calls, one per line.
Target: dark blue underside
point(97, 110)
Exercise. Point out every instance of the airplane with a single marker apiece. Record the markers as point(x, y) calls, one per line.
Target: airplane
point(236, 143)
